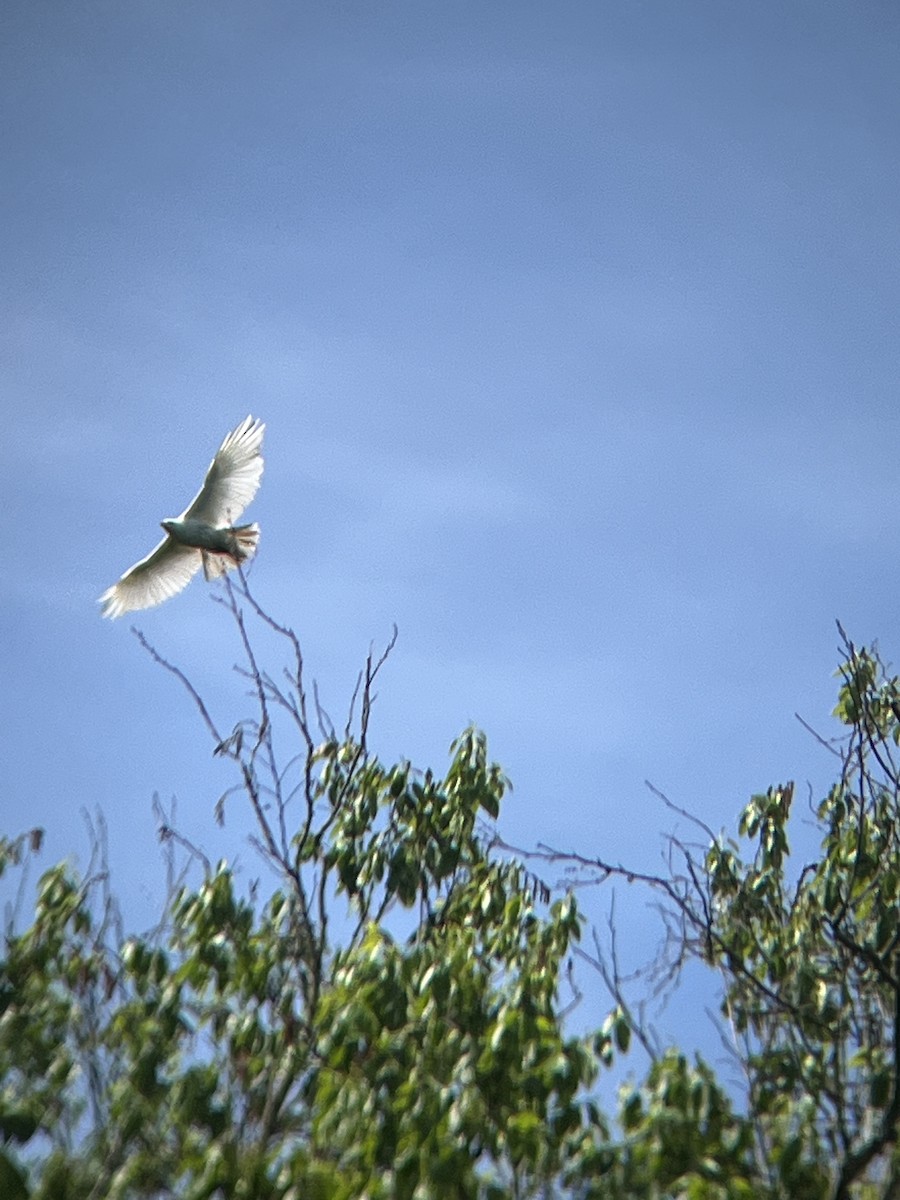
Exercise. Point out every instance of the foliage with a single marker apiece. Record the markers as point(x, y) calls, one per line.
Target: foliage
point(386, 1021)
point(813, 967)
point(810, 966)
point(299, 1044)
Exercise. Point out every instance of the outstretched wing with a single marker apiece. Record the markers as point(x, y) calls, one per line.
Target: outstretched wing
point(232, 479)
point(165, 571)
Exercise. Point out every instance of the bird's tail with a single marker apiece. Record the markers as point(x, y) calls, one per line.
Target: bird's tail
point(244, 540)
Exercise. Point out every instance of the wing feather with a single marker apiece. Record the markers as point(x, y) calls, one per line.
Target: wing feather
point(163, 573)
point(232, 479)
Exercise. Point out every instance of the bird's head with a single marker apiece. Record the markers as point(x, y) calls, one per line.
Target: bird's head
point(168, 524)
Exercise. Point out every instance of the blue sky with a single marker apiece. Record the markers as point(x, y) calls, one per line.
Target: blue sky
point(575, 330)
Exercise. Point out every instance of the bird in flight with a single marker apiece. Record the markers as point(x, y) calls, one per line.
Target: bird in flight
point(205, 534)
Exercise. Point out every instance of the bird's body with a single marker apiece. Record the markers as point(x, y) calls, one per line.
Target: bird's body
point(205, 534)
point(226, 539)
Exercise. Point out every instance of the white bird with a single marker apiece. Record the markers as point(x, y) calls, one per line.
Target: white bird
point(205, 534)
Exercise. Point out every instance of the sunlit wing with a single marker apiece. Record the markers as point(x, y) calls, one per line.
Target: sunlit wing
point(163, 573)
point(232, 479)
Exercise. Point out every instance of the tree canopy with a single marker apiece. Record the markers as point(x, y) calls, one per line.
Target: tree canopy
point(382, 1014)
